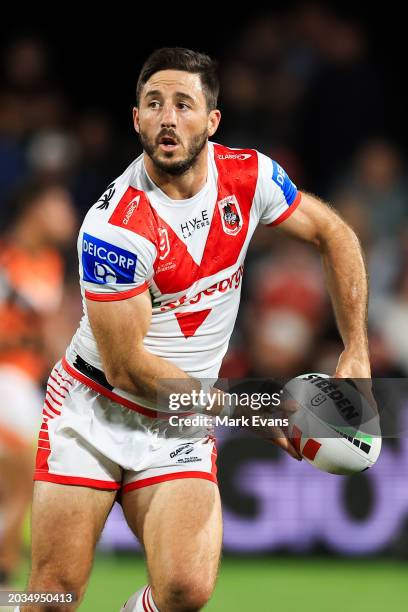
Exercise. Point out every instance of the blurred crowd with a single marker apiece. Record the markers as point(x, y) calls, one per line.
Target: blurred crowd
point(302, 87)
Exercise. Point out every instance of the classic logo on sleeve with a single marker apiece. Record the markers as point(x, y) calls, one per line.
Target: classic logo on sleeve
point(280, 177)
point(104, 263)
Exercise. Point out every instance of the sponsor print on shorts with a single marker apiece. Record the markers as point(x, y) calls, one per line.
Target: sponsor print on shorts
point(105, 263)
point(181, 451)
point(184, 449)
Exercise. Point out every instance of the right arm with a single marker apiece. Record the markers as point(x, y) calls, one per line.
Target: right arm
point(119, 328)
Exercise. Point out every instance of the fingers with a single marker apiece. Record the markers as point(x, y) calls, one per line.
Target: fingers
point(289, 406)
point(286, 445)
point(278, 435)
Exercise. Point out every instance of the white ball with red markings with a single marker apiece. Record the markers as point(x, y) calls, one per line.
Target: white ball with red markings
point(335, 429)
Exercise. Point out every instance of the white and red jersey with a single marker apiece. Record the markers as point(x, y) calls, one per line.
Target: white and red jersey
point(188, 253)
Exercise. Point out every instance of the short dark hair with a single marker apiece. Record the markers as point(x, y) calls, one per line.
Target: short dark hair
point(178, 58)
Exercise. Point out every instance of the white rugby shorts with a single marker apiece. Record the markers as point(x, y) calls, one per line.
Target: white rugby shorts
point(88, 439)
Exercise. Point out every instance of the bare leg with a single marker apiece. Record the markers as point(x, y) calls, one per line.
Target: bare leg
point(66, 525)
point(16, 468)
point(180, 525)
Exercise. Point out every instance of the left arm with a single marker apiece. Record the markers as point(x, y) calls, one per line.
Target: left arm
point(346, 277)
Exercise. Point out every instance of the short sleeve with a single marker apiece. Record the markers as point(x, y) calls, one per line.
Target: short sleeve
point(114, 264)
point(279, 196)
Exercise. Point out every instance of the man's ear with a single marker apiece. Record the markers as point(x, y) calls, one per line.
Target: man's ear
point(214, 119)
point(136, 118)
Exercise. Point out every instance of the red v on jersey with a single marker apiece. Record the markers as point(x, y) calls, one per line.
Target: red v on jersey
point(190, 321)
point(236, 177)
point(175, 269)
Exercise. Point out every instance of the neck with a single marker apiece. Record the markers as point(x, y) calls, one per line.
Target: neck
point(184, 186)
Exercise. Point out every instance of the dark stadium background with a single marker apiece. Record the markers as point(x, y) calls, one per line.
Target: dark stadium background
point(348, 114)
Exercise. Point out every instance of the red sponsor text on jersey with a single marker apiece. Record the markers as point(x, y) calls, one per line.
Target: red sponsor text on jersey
point(232, 282)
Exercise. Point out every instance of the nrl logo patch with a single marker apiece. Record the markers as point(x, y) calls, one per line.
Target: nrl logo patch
point(230, 215)
point(164, 244)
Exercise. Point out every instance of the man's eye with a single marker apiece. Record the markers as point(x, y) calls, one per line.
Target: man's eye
point(183, 105)
point(154, 104)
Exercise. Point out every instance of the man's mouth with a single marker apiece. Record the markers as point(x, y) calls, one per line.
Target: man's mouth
point(167, 143)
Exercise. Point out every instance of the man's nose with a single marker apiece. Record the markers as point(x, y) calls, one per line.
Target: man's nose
point(168, 118)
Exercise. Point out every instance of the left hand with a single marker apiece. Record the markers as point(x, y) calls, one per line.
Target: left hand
point(275, 434)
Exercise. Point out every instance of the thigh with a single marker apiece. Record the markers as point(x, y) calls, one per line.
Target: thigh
point(179, 523)
point(66, 525)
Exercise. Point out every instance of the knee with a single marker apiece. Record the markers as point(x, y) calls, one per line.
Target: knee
point(183, 594)
point(49, 577)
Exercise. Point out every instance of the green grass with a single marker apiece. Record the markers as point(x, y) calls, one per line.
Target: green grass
point(273, 584)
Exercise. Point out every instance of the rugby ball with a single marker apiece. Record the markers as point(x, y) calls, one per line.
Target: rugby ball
point(334, 427)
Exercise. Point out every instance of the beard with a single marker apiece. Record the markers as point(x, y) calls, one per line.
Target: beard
point(174, 168)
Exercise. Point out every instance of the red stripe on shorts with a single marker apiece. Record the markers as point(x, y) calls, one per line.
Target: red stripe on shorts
point(53, 410)
point(145, 482)
point(214, 461)
point(55, 390)
point(53, 398)
point(69, 382)
point(76, 480)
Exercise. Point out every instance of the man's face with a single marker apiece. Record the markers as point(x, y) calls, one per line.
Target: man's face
point(173, 121)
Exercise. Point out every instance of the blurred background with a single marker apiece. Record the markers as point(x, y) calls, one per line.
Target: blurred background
point(317, 87)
